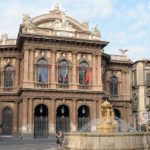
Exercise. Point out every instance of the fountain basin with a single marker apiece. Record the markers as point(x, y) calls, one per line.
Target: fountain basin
point(110, 141)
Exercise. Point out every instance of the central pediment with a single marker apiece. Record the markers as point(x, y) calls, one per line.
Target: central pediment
point(57, 23)
point(57, 19)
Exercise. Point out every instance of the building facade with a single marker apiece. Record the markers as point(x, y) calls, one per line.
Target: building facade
point(141, 92)
point(55, 75)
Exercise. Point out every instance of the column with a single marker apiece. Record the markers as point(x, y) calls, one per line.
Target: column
point(74, 72)
point(17, 78)
point(53, 77)
point(15, 118)
point(93, 73)
point(24, 115)
point(74, 115)
point(52, 112)
point(94, 110)
point(26, 67)
point(31, 69)
point(30, 115)
point(99, 74)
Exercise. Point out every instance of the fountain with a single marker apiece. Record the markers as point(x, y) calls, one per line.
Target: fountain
point(107, 123)
point(107, 133)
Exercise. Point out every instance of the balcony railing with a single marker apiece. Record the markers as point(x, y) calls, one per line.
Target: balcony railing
point(41, 85)
point(85, 87)
point(62, 86)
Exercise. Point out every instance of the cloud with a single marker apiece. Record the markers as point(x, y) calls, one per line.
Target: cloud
point(87, 9)
point(125, 24)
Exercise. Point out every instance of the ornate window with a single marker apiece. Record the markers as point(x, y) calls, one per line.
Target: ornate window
point(114, 85)
point(84, 74)
point(63, 72)
point(42, 71)
point(8, 76)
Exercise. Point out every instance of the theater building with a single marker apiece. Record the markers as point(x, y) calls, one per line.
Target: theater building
point(55, 75)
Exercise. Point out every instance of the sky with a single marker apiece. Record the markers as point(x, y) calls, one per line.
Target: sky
point(124, 23)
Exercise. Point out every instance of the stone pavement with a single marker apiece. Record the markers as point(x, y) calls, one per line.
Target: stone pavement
point(36, 144)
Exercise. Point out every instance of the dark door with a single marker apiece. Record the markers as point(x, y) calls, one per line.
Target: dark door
point(62, 119)
point(7, 121)
point(84, 119)
point(41, 122)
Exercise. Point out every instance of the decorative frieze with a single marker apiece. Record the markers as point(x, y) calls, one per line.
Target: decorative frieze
point(7, 61)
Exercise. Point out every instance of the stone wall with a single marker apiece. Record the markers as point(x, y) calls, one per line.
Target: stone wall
point(117, 141)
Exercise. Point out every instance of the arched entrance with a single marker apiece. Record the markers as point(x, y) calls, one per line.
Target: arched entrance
point(7, 121)
point(117, 118)
point(41, 121)
point(84, 118)
point(117, 113)
point(62, 118)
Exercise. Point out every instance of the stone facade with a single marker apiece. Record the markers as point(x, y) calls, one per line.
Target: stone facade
point(54, 37)
point(113, 141)
point(140, 92)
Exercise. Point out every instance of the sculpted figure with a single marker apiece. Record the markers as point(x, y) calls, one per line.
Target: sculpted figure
point(27, 22)
point(4, 38)
point(96, 32)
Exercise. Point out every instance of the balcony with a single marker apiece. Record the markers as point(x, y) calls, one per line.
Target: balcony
point(84, 87)
point(41, 85)
point(62, 86)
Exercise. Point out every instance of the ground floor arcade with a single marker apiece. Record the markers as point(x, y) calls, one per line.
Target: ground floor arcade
point(45, 113)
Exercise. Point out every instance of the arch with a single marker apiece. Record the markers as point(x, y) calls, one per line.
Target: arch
point(42, 71)
point(7, 121)
point(63, 72)
point(41, 121)
point(84, 118)
point(84, 73)
point(62, 118)
point(114, 85)
point(8, 76)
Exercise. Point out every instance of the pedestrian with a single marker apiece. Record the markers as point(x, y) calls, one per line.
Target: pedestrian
point(60, 139)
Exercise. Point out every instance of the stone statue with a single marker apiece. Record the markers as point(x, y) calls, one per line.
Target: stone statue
point(64, 20)
point(57, 24)
point(123, 51)
point(27, 22)
point(107, 123)
point(96, 32)
point(4, 38)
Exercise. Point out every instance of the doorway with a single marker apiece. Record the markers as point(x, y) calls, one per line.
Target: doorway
point(41, 121)
point(7, 121)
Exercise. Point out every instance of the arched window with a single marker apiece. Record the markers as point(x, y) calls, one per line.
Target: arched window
point(8, 76)
point(84, 74)
point(63, 72)
point(42, 71)
point(114, 85)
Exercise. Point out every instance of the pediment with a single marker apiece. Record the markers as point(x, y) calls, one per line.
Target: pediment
point(57, 19)
point(57, 23)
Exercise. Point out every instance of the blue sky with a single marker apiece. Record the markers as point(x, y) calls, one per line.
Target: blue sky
point(125, 24)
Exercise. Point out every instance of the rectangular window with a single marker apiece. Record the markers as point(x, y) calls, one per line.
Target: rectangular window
point(148, 78)
point(134, 81)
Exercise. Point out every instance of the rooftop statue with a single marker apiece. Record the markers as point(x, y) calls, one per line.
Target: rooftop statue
point(27, 22)
point(96, 32)
point(4, 38)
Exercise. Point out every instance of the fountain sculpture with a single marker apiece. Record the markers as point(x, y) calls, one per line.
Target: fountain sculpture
point(106, 136)
point(107, 123)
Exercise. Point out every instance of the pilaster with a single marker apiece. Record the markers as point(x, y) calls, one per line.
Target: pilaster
point(74, 72)
point(52, 113)
point(24, 115)
point(99, 74)
point(53, 76)
point(26, 68)
point(74, 115)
